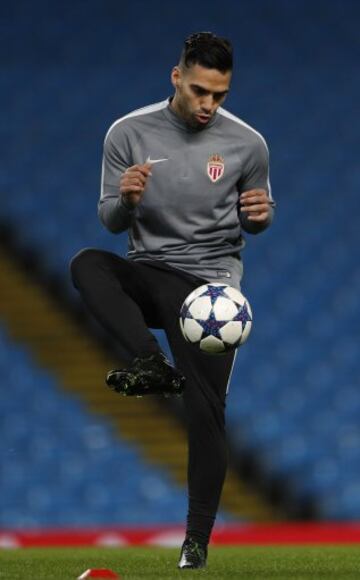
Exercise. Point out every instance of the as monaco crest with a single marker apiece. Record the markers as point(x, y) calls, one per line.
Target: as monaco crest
point(215, 167)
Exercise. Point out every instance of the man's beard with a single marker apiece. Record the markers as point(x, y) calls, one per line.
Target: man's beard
point(193, 122)
point(189, 117)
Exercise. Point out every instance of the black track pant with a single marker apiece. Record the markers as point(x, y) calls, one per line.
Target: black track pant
point(127, 298)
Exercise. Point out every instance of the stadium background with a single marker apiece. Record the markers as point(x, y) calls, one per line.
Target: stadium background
point(72, 455)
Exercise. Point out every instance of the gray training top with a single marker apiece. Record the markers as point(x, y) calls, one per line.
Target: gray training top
point(189, 213)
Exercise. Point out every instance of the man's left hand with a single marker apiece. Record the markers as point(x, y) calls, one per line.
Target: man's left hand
point(256, 204)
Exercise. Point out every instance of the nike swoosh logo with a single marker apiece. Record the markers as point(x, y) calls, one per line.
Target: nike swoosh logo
point(152, 161)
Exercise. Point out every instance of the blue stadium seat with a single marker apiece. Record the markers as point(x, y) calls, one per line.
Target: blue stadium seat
point(62, 466)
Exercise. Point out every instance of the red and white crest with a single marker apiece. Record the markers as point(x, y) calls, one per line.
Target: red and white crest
point(215, 167)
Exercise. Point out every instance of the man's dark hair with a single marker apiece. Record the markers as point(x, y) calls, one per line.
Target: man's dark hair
point(207, 50)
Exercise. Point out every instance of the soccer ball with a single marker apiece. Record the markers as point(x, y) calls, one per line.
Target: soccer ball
point(216, 317)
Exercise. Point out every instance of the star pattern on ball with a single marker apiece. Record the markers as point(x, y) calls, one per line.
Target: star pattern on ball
point(185, 311)
point(214, 292)
point(243, 315)
point(211, 326)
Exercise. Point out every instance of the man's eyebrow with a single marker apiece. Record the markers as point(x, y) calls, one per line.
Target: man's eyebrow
point(221, 92)
point(195, 86)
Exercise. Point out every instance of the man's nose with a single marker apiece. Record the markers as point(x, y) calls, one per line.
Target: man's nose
point(207, 103)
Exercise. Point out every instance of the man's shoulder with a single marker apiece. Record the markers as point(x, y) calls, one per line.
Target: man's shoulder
point(137, 117)
point(238, 127)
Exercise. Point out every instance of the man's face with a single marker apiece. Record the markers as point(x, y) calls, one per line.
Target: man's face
point(199, 91)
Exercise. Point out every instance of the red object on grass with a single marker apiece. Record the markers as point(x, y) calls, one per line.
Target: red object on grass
point(98, 573)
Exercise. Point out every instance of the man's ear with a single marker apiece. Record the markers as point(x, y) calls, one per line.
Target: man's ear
point(175, 76)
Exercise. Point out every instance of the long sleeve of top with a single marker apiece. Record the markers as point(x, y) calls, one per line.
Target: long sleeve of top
point(113, 213)
point(256, 176)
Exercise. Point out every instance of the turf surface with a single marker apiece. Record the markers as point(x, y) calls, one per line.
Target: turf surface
point(246, 562)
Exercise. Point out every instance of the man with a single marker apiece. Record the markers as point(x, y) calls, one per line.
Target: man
point(184, 177)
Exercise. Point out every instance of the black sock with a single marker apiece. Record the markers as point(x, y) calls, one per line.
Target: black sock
point(200, 529)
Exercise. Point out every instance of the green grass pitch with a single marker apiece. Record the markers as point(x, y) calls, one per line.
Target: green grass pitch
point(245, 562)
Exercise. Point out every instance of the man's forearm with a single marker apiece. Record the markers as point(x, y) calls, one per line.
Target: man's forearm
point(114, 214)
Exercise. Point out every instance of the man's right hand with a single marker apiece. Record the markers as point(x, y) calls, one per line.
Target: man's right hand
point(133, 183)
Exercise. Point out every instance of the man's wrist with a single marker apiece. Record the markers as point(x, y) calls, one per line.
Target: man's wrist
point(125, 203)
point(254, 227)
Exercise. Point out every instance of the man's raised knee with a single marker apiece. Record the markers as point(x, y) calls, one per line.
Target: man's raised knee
point(82, 261)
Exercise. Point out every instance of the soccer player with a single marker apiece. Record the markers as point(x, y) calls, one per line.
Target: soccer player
point(185, 178)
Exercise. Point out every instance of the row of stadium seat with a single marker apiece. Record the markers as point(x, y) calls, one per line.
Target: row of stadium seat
point(61, 465)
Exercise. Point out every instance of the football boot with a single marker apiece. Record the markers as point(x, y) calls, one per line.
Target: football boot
point(193, 555)
point(151, 375)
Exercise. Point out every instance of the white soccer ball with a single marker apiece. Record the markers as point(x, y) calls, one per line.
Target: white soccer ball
point(216, 317)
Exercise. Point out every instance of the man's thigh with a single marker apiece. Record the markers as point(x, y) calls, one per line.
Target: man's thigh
point(130, 276)
point(167, 289)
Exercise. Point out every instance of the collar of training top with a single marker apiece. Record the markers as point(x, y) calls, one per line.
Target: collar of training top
point(179, 122)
